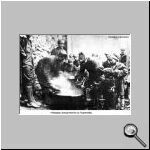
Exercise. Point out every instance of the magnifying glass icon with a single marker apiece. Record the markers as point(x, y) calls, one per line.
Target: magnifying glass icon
point(130, 130)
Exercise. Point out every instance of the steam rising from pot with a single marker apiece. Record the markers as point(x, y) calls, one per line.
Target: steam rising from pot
point(49, 71)
point(66, 87)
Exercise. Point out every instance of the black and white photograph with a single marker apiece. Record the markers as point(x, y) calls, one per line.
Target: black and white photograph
point(75, 73)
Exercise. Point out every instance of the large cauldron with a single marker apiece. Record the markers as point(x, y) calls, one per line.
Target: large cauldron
point(70, 97)
point(59, 102)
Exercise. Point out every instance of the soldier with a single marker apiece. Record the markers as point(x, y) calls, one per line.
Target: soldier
point(107, 63)
point(82, 74)
point(91, 73)
point(123, 57)
point(76, 61)
point(27, 71)
point(49, 68)
point(60, 48)
point(114, 80)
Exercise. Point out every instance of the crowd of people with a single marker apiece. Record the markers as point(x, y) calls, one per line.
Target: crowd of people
point(105, 86)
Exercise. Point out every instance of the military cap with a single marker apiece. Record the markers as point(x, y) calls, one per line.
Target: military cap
point(108, 53)
point(61, 41)
point(81, 53)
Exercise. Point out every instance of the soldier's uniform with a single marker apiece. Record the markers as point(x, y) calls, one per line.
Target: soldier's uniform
point(114, 82)
point(59, 49)
point(123, 59)
point(27, 65)
point(56, 51)
point(107, 64)
point(48, 68)
point(27, 71)
point(89, 69)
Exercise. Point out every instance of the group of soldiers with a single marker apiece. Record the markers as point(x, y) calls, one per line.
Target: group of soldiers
point(106, 82)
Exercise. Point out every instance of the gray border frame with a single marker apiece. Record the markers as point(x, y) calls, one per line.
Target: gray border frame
point(78, 17)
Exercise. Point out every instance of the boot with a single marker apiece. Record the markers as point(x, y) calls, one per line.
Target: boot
point(31, 100)
point(118, 105)
point(122, 104)
point(122, 100)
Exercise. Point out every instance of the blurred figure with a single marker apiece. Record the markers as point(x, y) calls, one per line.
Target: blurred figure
point(82, 75)
point(71, 59)
point(62, 56)
point(91, 77)
point(68, 65)
point(82, 58)
point(114, 81)
point(27, 71)
point(127, 86)
point(123, 57)
point(47, 69)
point(59, 49)
point(76, 61)
point(73, 64)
